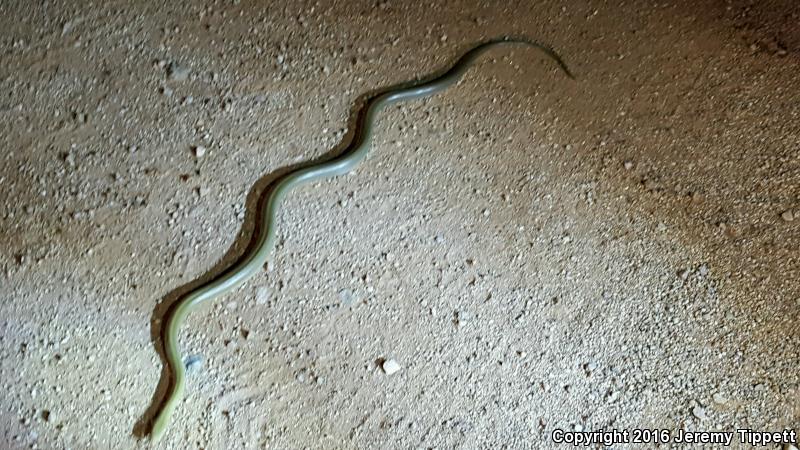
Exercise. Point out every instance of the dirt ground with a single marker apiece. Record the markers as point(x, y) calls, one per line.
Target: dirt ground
point(616, 252)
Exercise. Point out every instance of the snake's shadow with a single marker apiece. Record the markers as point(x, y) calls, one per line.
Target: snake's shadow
point(245, 240)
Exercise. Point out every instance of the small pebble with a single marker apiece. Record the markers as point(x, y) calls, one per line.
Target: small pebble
point(199, 151)
point(67, 27)
point(719, 398)
point(787, 216)
point(699, 412)
point(347, 297)
point(302, 376)
point(462, 317)
point(193, 363)
point(176, 72)
point(390, 367)
point(652, 186)
point(263, 295)
point(628, 165)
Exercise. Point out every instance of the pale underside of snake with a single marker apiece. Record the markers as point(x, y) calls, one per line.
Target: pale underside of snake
point(264, 243)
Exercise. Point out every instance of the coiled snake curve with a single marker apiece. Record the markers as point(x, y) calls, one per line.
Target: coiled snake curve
point(255, 259)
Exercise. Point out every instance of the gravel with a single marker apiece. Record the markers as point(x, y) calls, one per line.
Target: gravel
point(636, 220)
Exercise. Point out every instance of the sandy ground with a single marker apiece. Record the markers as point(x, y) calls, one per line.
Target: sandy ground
point(616, 252)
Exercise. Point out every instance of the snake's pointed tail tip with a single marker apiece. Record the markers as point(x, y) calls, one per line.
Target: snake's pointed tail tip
point(567, 72)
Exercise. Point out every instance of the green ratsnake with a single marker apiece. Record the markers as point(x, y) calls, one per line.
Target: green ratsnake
point(255, 259)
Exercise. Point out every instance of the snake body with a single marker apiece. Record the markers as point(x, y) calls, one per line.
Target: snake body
point(257, 256)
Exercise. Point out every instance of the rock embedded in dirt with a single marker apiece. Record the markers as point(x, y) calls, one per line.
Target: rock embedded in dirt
point(347, 297)
point(391, 367)
point(263, 295)
point(193, 363)
point(177, 72)
point(699, 412)
point(463, 317)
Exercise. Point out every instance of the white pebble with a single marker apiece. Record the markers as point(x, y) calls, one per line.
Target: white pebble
point(199, 151)
point(787, 216)
point(699, 412)
point(347, 298)
point(463, 317)
point(178, 72)
point(194, 362)
point(391, 367)
point(262, 295)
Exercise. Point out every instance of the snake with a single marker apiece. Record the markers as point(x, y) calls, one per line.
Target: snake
point(269, 207)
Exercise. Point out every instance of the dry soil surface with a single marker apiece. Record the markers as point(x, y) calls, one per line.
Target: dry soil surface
point(615, 252)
